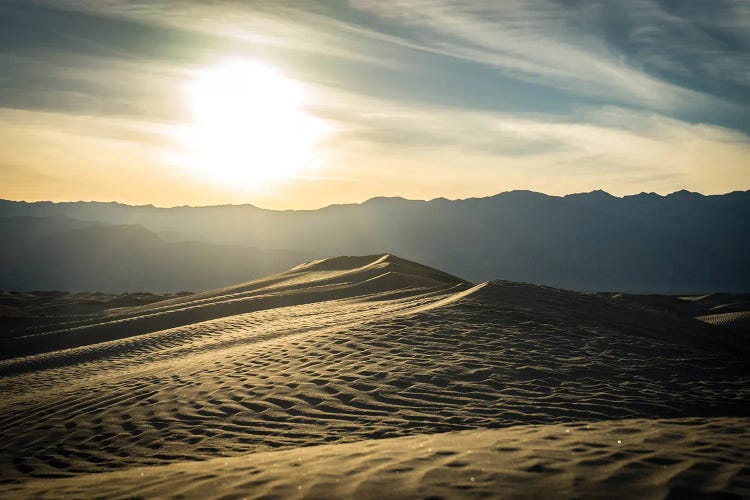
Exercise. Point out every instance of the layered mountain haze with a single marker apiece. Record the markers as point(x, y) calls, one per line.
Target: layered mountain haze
point(60, 253)
point(267, 380)
point(680, 243)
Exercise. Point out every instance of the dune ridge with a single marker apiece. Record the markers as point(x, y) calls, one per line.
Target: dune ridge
point(316, 281)
point(352, 349)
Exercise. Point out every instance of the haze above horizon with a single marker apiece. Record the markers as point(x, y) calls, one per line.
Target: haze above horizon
point(285, 106)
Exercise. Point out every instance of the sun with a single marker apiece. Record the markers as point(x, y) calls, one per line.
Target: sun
point(249, 125)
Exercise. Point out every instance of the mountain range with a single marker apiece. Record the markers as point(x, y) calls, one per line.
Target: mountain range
point(684, 242)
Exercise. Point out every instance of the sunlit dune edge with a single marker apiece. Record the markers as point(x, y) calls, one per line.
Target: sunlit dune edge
point(375, 376)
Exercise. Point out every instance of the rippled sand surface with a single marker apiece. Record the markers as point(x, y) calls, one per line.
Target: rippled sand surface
point(635, 458)
point(356, 349)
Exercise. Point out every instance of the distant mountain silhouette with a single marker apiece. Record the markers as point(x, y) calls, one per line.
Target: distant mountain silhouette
point(43, 253)
point(647, 243)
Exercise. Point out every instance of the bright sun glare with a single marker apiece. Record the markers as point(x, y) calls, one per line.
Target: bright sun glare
point(250, 126)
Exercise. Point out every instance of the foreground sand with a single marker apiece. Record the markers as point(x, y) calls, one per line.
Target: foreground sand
point(352, 349)
point(643, 458)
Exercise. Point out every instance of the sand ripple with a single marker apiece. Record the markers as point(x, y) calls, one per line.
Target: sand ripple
point(409, 357)
point(626, 458)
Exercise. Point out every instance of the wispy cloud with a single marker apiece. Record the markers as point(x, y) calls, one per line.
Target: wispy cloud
point(641, 56)
point(257, 25)
point(541, 42)
point(693, 39)
point(424, 98)
point(596, 147)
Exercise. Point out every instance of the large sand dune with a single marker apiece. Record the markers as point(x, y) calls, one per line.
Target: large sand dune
point(353, 349)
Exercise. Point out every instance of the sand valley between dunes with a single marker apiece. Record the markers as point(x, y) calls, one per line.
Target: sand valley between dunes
point(357, 377)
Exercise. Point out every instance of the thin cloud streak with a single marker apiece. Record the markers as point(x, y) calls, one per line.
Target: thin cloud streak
point(527, 150)
point(282, 25)
point(685, 46)
point(527, 40)
point(538, 42)
point(424, 98)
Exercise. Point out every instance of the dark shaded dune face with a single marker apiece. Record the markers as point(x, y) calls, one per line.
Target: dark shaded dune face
point(382, 349)
point(730, 312)
point(624, 318)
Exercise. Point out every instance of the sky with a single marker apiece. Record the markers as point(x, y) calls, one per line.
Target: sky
point(291, 105)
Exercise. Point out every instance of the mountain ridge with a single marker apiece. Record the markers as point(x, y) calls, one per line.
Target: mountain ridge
point(680, 243)
point(401, 198)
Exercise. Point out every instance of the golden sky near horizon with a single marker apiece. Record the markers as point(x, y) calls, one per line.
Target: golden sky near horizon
point(284, 106)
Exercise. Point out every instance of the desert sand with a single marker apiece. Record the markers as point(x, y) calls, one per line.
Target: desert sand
point(375, 376)
point(644, 458)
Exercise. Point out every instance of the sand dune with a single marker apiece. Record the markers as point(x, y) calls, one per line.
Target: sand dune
point(731, 312)
point(637, 458)
point(352, 349)
point(317, 281)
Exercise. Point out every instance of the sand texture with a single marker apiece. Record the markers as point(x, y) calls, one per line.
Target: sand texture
point(730, 312)
point(643, 458)
point(358, 349)
point(735, 321)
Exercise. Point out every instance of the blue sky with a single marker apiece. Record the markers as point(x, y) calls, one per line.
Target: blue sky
point(420, 98)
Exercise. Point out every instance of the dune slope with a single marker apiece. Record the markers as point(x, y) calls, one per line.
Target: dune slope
point(317, 281)
point(637, 458)
point(348, 350)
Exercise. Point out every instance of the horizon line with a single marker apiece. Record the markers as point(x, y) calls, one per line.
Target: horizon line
point(374, 198)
